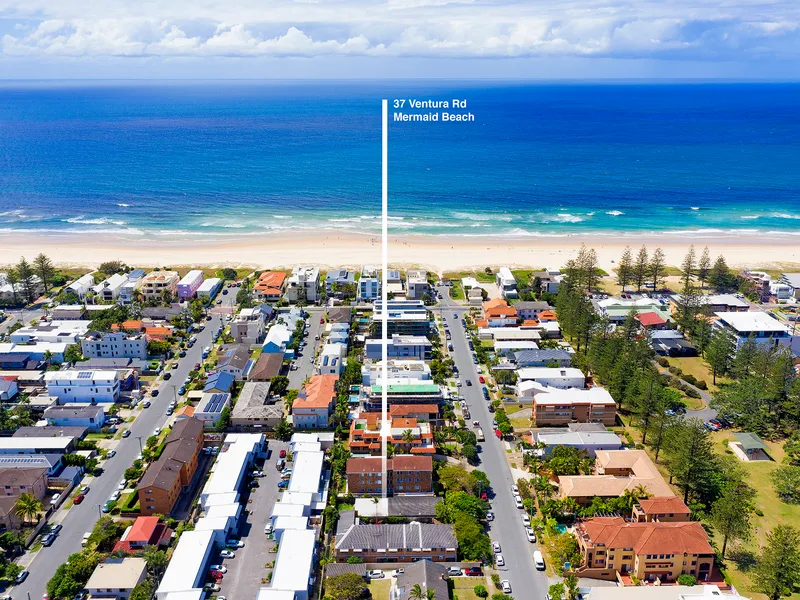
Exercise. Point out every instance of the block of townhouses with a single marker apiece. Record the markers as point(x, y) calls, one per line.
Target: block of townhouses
point(561, 407)
point(405, 543)
point(129, 289)
point(313, 410)
point(653, 551)
point(98, 344)
point(83, 386)
point(407, 435)
point(303, 285)
point(81, 285)
point(154, 284)
point(190, 283)
point(399, 346)
point(405, 474)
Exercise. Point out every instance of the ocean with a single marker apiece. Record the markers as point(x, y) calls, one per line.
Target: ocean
point(217, 159)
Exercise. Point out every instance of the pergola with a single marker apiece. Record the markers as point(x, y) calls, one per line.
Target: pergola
point(750, 442)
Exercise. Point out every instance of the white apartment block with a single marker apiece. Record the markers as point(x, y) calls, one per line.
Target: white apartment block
point(331, 359)
point(114, 345)
point(83, 386)
point(127, 293)
point(416, 284)
point(412, 370)
point(369, 284)
point(758, 326)
point(108, 290)
point(81, 285)
point(154, 284)
point(506, 282)
point(303, 285)
point(249, 326)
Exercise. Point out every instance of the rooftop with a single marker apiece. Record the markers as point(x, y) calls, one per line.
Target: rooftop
point(404, 536)
point(117, 573)
point(647, 537)
point(747, 322)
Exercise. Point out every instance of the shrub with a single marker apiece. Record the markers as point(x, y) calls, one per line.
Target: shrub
point(690, 379)
point(701, 385)
point(481, 591)
point(496, 580)
point(686, 579)
point(759, 512)
point(691, 393)
point(663, 362)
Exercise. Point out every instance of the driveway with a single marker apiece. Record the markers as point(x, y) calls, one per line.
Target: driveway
point(246, 571)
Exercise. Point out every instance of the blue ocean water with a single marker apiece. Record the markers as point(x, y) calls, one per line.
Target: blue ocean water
point(243, 158)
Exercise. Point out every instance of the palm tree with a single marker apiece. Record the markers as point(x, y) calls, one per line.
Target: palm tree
point(156, 561)
point(640, 491)
point(416, 592)
point(430, 594)
point(408, 436)
point(48, 358)
point(571, 585)
point(28, 507)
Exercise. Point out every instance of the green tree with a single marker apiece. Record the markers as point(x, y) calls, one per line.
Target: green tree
point(481, 591)
point(105, 534)
point(640, 268)
point(44, 269)
point(27, 279)
point(571, 587)
point(704, 267)
point(416, 592)
point(786, 480)
point(657, 269)
point(720, 351)
point(156, 561)
point(143, 590)
point(625, 268)
point(278, 384)
point(284, 429)
point(473, 543)
point(347, 586)
point(27, 507)
point(777, 571)
point(731, 513)
point(557, 591)
point(690, 458)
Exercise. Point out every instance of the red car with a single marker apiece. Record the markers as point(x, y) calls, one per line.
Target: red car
point(78, 499)
point(473, 571)
point(322, 321)
point(484, 496)
point(499, 434)
point(283, 454)
point(216, 575)
point(482, 379)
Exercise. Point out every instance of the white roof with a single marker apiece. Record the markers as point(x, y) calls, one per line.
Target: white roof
point(273, 594)
point(223, 510)
point(518, 344)
point(290, 523)
point(190, 277)
point(656, 592)
point(78, 375)
point(209, 284)
point(112, 283)
point(300, 498)
point(506, 276)
point(295, 560)
point(118, 574)
point(281, 509)
point(194, 594)
point(595, 395)
point(470, 282)
point(186, 569)
point(211, 524)
point(550, 373)
point(306, 447)
point(307, 469)
point(746, 322)
point(227, 470)
point(222, 499)
point(39, 443)
point(37, 348)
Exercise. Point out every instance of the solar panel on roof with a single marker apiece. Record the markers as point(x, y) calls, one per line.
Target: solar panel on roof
point(85, 375)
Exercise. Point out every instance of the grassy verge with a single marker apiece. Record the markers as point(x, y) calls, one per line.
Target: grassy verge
point(379, 588)
point(464, 587)
point(698, 368)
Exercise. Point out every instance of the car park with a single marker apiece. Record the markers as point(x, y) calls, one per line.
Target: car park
point(375, 574)
point(499, 560)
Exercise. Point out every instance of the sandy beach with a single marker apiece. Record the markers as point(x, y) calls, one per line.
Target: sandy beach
point(347, 249)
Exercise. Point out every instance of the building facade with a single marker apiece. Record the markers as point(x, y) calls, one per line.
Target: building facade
point(190, 283)
point(405, 474)
point(83, 386)
point(99, 344)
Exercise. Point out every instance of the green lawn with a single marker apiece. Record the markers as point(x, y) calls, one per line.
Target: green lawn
point(457, 291)
point(520, 424)
point(481, 276)
point(698, 368)
point(464, 587)
point(379, 588)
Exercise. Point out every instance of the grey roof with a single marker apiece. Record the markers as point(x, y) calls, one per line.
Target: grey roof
point(29, 461)
point(541, 355)
point(333, 569)
point(429, 575)
point(347, 518)
point(577, 438)
point(586, 427)
point(253, 402)
point(405, 536)
point(413, 506)
point(107, 363)
point(51, 431)
point(532, 305)
point(666, 334)
point(341, 314)
point(72, 412)
point(235, 357)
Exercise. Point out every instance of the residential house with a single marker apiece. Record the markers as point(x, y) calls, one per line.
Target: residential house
point(553, 406)
point(617, 471)
point(98, 344)
point(509, 347)
point(8, 389)
point(498, 313)
point(234, 360)
point(129, 289)
point(16, 293)
point(617, 310)
point(670, 342)
point(711, 303)
point(406, 543)
point(190, 283)
point(83, 386)
point(219, 382)
point(332, 359)
point(265, 367)
point(270, 286)
point(145, 531)
point(34, 353)
point(793, 281)
point(506, 282)
point(408, 436)
point(530, 310)
point(68, 312)
point(549, 280)
point(255, 408)
point(761, 327)
point(543, 357)
point(369, 284)
point(401, 346)
point(314, 409)
point(51, 332)
point(209, 409)
point(15, 482)
point(405, 474)
point(278, 338)
point(81, 285)
point(154, 284)
point(335, 279)
point(340, 314)
point(165, 479)
point(116, 577)
point(666, 509)
point(249, 326)
point(91, 417)
point(108, 290)
point(650, 321)
point(588, 441)
point(303, 285)
point(652, 551)
point(417, 285)
point(209, 288)
point(562, 378)
point(401, 391)
point(430, 576)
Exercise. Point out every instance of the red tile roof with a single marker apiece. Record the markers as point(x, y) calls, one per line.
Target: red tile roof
point(320, 392)
point(648, 538)
point(662, 505)
point(649, 319)
point(404, 462)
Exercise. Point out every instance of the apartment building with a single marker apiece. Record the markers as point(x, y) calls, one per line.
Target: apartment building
point(401, 391)
point(506, 282)
point(209, 288)
point(561, 378)
point(416, 370)
point(15, 482)
point(661, 509)
point(417, 284)
point(758, 326)
point(108, 290)
point(116, 577)
point(83, 386)
point(405, 317)
point(129, 289)
point(250, 325)
point(154, 284)
point(561, 407)
point(369, 284)
point(404, 543)
point(98, 344)
point(165, 479)
point(407, 435)
point(405, 474)
point(190, 283)
point(314, 409)
point(530, 310)
point(400, 346)
point(303, 285)
point(653, 551)
point(498, 313)
point(270, 286)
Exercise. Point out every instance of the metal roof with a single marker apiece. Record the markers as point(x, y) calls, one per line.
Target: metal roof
point(750, 441)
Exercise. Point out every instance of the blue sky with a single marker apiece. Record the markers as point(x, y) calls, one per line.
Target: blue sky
point(545, 39)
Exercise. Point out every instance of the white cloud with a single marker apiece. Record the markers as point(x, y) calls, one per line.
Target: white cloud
point(679, 29)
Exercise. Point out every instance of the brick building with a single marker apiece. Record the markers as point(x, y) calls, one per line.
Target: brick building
point(405, 474)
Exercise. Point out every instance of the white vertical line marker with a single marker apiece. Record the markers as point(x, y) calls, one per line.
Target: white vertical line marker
point(385, 429)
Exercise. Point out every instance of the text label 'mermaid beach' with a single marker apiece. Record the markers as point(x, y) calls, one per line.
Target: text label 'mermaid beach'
point(431, 111)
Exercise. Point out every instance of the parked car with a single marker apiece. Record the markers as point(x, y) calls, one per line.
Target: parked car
point(78, 499)
point(490, 516)
point(23, 575)
point(216, 575)
point(526, 520)
point(506, 586)
point(283, 484)
point(146, 404)
point(482, 379)
point(469, 382)
point(234, 543)
point(518, 501)
point(227, 554)
point(154, 393)
point(112, 453)
point(531, 535)
point(499, 560)
point(55, 529)
point(496, 547)
point(538, 560)
point(167, 376)
point(514, 488)
point(375, 574)
point(55, 498)
point(48, 539)
point(473, 572)
point(126, 433)
point(220, 568)
point(211, 587)
point(84, 490)
point(115, 496)
point(282, 454)
point(454, 571)
point(397, 572)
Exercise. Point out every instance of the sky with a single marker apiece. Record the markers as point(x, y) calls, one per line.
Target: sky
point(527, 39)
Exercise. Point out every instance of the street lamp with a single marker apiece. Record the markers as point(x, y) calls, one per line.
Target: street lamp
point(138, 437)
point(99, 510)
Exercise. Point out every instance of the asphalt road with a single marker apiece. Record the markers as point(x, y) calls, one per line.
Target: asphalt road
point(14, 315)
point(507, 526)
point(81, 518)
point(306, 363)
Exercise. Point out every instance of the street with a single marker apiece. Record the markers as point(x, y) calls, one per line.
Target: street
point(306, 364)
point(81, 518)
point(507, 526)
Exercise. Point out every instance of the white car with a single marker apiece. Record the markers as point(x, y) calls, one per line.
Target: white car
point(220, 568)
point(506, 586)
point(268, 528)
point(376, 574)
point(518, 501)
point(526, 520)
point(490, 516)
point(531, 535)
point(227, 554)
point(397, 572)
point(499, 560)
point(115, 496)
point(157, 431)
point(514, 490)
point(121, 485)
point(496, 547)
point(454, 571)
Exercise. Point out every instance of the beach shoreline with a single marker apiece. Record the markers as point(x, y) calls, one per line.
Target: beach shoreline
point(438, 254)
